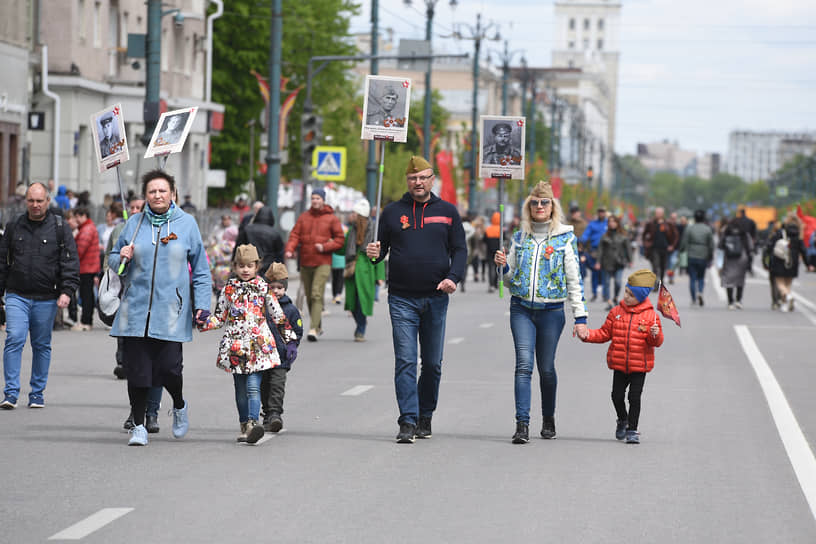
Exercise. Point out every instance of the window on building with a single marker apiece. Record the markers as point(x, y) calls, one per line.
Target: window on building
point(571, 23)
point(600, 24)
point(571, 45)
point(586, 24)
point(600, 45)
point(81, 19)
point(97, 22)
point(586, 44)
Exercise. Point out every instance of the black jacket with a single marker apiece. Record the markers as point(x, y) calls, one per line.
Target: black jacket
point(38, 259)
point(262, 234)
point(427, 245)
point(293, 315)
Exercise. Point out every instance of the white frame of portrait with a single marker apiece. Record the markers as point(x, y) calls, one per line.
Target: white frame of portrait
point(510, 171)
point(103, 164)
point(154, 149)
point(375, 132)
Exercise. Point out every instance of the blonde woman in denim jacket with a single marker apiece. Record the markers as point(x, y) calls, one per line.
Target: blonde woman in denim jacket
point(543, 274)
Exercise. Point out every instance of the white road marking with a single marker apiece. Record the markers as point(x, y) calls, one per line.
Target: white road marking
point(796, 445)
point(356, 390)
point(485, 325)
point(90, 524)
point(457, 340)
point(804, 304)
point(717, 283)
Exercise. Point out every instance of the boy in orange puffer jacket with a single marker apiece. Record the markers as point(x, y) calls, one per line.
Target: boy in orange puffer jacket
point(634, 328)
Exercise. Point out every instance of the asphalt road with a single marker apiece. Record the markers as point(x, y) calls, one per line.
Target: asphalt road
point(726, 453)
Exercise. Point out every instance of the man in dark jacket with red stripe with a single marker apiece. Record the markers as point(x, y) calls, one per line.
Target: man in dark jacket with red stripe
point(428, 257)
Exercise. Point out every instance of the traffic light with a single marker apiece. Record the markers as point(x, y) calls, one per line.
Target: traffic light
point(311, 132)
point(589, 175)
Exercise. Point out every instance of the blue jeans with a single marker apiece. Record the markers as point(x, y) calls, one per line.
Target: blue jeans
point(422, 317)
point(596, 274)
point(359, 318)
point(24, 315)
point(248, 396)
point(617, 276)
point(696, 272)
point(535, 335)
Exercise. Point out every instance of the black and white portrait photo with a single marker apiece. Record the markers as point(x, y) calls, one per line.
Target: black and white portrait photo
point(502, 152)
point(385, 111)
point(172, 129)
point(171, 132)
point(108, 130)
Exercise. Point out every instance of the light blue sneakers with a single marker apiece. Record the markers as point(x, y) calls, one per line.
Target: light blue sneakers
point(138, 436)
point(632, 437)
point(180, 422)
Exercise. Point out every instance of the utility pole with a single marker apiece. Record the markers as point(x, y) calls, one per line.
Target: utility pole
point(371, 166)
point(505, 59)
point(273, 166)
point(477, 35)
point(152, 69)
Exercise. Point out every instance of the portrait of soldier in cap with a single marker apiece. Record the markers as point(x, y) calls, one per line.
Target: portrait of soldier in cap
point(172, 129)
point(385, 109)
point(501, 151)
point(107, 141)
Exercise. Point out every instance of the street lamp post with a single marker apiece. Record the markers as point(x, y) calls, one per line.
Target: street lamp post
point(477, 35)
point(426, 121)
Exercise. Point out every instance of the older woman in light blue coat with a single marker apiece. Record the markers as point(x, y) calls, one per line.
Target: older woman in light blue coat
point(167, 282)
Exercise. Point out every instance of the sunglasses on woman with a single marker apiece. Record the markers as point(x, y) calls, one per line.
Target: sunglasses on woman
point(544, 202)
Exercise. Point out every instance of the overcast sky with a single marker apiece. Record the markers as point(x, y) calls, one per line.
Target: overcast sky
point(690, 71)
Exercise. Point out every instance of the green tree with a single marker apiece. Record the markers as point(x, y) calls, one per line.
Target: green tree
point(241, 44)
point(439, 121)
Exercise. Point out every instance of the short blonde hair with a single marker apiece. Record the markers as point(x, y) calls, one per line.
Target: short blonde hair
point(541, 190)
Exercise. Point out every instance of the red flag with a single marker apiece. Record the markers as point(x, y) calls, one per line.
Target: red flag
point(590, 204)
point(557, 186)
point(263, 85)
point(444, 162)
point(809, 221)
point(286, 109)
point(666, 306)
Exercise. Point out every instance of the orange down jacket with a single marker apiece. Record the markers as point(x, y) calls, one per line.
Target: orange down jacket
point(316, 227)
point(632, 348)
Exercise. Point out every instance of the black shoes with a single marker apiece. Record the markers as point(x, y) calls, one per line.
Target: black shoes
point(522, 435)
point(548, 428)
point(272, 423)
point(128, 425)
point(119, 372)
point(152, 424)
point(423, 430)
point(407, 432)
point(620, 429)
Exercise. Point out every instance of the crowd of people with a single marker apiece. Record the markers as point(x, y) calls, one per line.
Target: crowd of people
point(423, 250)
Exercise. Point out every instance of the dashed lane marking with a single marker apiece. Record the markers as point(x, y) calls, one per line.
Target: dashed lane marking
point(356, 390)
point(457, 340)
point(92, 523)
point(717, 283)
point(485, 325)
point(796, 445)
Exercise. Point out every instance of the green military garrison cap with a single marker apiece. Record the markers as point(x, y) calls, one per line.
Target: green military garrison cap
point(417, 164)
point(642, 278)
point(246, 253)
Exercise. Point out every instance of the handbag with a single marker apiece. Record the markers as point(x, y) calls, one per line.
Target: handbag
point(348, 271)
point(781, 248)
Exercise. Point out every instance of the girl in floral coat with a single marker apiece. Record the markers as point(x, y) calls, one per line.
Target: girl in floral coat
point(248, 346)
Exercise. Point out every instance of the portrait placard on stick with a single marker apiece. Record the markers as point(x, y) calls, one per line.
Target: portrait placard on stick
point(502, 147)
point(385, 110)
point(171, 132)
point(110, 140)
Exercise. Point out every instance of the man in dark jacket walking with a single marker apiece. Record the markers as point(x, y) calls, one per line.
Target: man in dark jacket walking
point(39, 271)
point(262, 234)
point(428, 257)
